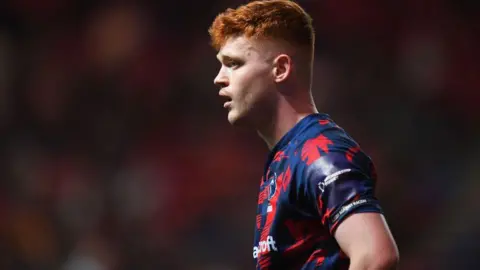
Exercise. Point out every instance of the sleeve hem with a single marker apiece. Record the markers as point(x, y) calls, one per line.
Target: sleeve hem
point(369, 207)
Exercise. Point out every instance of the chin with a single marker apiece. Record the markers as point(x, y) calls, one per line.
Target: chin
point(232, 118)
point(239, 120)
point(235, 119)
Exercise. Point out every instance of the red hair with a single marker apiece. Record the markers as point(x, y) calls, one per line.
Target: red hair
point(281, 20)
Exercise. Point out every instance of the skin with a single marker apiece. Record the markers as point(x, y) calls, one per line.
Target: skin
point(368, 242)
point(265, 89)
point(246, 81)
point(259, 81)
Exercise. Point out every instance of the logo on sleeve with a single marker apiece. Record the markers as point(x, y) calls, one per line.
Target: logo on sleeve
point(331, 178)
point(348, 207)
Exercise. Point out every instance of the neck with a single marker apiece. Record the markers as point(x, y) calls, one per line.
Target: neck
point(288, 113)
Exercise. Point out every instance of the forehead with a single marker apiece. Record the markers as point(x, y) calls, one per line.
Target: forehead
point(238, 47)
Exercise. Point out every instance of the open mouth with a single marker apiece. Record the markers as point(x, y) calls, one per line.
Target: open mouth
point(228, 102)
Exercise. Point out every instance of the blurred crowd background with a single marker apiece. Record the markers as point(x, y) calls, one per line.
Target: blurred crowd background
point(115, 151)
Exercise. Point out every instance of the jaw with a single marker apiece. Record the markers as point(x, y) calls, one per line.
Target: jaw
point(251, 119)
point(240, 119)
point(235, 119)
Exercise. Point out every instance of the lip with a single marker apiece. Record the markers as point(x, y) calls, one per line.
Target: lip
point(227, 104)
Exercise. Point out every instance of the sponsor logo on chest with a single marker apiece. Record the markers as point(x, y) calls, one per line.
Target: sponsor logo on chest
point(264, 247)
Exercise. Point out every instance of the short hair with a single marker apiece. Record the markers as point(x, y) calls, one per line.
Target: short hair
point(281, 20)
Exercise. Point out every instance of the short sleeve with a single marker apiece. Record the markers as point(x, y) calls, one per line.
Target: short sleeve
point(339, 185)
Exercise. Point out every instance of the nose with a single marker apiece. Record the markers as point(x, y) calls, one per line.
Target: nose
point(221, 79)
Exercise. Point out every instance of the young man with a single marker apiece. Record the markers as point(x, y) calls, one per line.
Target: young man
point(316, 206)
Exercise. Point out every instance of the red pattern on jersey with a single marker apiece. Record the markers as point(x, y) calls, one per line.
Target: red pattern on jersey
point(320, 204)
point(324, 122)
point(262, 196)
point(320, 261)
point(264, 261)
point(285, 177)
point(318, 256)
point(351, 152)
point(306, 234)
point(258, 221)
point(326, 216)
point(279, 156)
point(310, 151)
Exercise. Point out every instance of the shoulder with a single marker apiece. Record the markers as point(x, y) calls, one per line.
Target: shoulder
point(328, 149)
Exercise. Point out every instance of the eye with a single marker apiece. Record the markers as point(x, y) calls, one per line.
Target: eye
point(232, 64)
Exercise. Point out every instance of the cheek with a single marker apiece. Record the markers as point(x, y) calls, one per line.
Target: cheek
point(258, 95)
point(251, 83)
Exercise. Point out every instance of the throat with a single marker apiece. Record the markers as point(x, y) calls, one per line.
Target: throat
point(288, 112)
point(273, 132)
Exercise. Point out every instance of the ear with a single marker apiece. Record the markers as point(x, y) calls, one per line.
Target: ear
point(282, 67)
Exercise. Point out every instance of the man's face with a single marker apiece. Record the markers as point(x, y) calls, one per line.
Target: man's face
point(246, 81)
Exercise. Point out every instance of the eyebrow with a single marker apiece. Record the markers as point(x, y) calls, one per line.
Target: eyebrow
point(225, 58)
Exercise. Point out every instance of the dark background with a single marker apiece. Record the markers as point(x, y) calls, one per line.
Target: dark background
point(116, 153)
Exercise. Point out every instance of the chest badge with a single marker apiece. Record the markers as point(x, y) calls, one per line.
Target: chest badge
point(272, 186)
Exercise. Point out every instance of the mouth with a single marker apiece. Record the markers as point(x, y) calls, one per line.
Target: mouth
point(226, 98)
point(227, 104)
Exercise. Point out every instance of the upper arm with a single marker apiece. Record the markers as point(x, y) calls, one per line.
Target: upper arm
point(365, 237)
point(339, 187)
